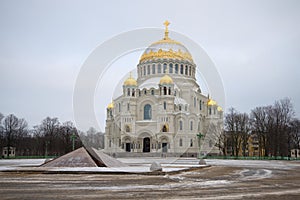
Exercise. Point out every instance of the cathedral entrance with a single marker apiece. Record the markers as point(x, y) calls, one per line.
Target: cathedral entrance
point(164, 147)
point(127, 147)
point(146, 144)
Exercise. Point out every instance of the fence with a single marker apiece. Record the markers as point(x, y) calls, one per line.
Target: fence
point(251, 158)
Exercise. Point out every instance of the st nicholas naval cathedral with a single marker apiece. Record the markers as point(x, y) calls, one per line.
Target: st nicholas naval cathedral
point(163, 111)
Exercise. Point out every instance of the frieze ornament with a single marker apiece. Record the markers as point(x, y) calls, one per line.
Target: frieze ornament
point(170, 54)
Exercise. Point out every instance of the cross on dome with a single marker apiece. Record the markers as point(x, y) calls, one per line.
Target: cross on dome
point(166, 23)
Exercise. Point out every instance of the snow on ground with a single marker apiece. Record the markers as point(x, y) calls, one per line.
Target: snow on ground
point(21, 162)
point(254, 174)
point(264, 164)
point(12, 164)
point(168, 164)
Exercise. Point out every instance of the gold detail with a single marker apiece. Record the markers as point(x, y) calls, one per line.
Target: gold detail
point(110, 106)
point(166, 80)
point(211, 102)
point(166, 54)
point(163, 41)
point(166, 23)
point(130, 81)
point(219, 109)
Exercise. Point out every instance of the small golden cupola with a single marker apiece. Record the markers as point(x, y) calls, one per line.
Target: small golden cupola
point(130, 81)
point(166, 80)
point(220, 109)
point(211, 102)
point(110, 105)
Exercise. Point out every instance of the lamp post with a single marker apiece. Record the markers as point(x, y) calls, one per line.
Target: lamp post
point(201, 161)
point(199, 140)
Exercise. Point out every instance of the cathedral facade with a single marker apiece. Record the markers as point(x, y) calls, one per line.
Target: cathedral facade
point(163, 111)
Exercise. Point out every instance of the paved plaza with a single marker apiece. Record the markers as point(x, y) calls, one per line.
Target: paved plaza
point(223, 179)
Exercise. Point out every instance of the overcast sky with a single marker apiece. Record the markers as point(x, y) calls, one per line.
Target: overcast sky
point(255, 46)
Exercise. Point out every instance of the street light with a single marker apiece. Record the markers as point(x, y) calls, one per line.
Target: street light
point(201, 161)
point(199, 140)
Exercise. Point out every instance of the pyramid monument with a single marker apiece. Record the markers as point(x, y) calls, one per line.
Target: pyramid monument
point(84, 157)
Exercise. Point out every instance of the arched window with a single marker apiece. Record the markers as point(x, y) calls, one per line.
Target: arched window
point(181, 69)
point(127, 128)
point(190, 70)
point(159, 68)
point(147, 112)
point(191, 125)
point(165, 128)
point(180, 142)
point(165, 105)
point(148, 69)
point(128, 91)
point(170, 68)
point(153, 69)
point(176, 68)
point(180, 125)
point(144, 70)
point(191, 143)
point(165, 68)
point(186, 70)
point(195, 103)
point(152, 92)
point(165, 90)
point(200, 105)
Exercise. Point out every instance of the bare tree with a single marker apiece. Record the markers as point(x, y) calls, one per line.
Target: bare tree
point(11, 125)
point(49, 128)
point(92, 138)
point(1, 131)
point(271, 124)
point(238, 129)
point(222, 142)
point(294, 134)
point(243, 124)
point(260, 126)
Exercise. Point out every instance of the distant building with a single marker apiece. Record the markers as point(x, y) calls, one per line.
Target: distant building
point(164, 110)
point(253, 148)
point(8, 153)
point(295, 153)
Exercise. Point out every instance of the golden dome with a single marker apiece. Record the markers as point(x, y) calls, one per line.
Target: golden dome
point(211, 102)
point(166, 48)
point(130, 82)
point(111, 105)
point(166, 80)
point(219, 109)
